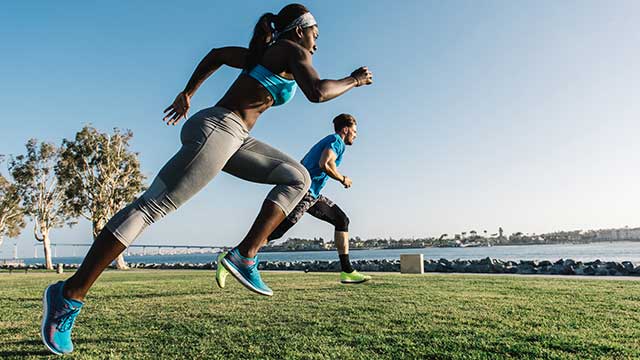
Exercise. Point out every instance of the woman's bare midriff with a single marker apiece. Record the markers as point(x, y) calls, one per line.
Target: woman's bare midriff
point(246, 96)
point(248, 99)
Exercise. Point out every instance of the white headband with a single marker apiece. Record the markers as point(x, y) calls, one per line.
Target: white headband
point(304, 21)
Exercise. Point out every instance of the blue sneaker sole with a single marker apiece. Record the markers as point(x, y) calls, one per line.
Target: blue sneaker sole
point(45, 315)
point(236, 274)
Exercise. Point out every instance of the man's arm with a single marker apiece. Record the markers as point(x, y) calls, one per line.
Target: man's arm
point(328, 164)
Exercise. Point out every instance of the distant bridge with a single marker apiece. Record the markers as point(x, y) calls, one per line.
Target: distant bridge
point(144, 247)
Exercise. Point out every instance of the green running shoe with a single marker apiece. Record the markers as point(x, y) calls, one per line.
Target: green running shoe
point(353, 277)
point(221, 272)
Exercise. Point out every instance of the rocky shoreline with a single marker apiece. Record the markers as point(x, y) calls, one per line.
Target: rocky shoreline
point(486, 266)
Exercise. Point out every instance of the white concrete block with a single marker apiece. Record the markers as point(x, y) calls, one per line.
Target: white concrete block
point(412, 264)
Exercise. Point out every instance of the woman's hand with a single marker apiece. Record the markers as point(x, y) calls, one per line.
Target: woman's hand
point(363, 76)
point(178, 110)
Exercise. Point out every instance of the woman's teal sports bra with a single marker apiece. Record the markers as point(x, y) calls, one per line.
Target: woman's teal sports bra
point(280, 88)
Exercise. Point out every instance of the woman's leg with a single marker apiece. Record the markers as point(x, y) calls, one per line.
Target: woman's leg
point(209, 138)
point(258, 162)
point(104, 250)
point(294, 216)
point(261, 163)
point(268, 219)
point(207, 144)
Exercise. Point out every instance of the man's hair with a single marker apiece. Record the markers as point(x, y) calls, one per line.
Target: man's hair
point(342, 121)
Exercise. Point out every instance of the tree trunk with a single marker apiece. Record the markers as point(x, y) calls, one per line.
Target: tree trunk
point(46, 243)
point(120, 263)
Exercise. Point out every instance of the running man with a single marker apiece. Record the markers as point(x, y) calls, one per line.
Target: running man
point(322, 163)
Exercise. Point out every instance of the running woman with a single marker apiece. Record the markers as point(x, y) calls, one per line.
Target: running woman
point(322, 163)
point(217, 139)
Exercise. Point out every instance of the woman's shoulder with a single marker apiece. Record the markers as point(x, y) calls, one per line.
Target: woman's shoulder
point(289, 48)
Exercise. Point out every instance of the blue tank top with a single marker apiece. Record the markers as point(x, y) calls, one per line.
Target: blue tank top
point(282, 90)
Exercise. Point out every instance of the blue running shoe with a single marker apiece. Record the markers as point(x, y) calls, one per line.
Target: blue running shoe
point(58, 317)
point(245, 270)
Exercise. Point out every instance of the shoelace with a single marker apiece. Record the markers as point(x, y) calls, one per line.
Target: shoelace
point(250, 268)
point(65, 321)
point(254, 268)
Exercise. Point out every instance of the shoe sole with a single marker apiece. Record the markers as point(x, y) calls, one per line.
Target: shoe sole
point(218, 281)
point(354, 282)
point(45, 315)
point(218, 269)
point(232, 270)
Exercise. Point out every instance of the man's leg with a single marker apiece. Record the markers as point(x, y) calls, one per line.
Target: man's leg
point(341, 239)
point(325, 209)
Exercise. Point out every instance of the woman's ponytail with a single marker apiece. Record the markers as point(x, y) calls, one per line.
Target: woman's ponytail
point(262, 36)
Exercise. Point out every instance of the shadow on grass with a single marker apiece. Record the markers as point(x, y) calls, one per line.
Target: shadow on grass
point(103, 296)
point(28, 299)
point(23, 353)
point(33, 342)
point(41, 351)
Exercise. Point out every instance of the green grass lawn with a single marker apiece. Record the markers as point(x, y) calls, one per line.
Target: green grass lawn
point(182, 314)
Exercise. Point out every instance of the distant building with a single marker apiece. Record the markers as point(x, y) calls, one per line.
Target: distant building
point(618, 234)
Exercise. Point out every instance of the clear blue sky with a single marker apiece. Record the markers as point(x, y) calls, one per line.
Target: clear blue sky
point(483, 113)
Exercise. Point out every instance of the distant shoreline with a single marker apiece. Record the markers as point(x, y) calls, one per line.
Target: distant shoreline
point(276, 250)
point(609, 250)
point(485, 265)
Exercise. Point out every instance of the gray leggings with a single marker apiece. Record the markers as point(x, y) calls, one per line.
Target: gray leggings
point(213, 139)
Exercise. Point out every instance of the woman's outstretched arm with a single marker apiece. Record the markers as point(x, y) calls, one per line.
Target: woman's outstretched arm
point(232, 56)
point(321, 90)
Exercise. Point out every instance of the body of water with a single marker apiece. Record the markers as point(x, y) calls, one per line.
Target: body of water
point(605, 251)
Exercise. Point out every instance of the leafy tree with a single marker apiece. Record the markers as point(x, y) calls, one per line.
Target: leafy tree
point(11, 211)
point(101, 175)
point(441, 241)
point(41, 193)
